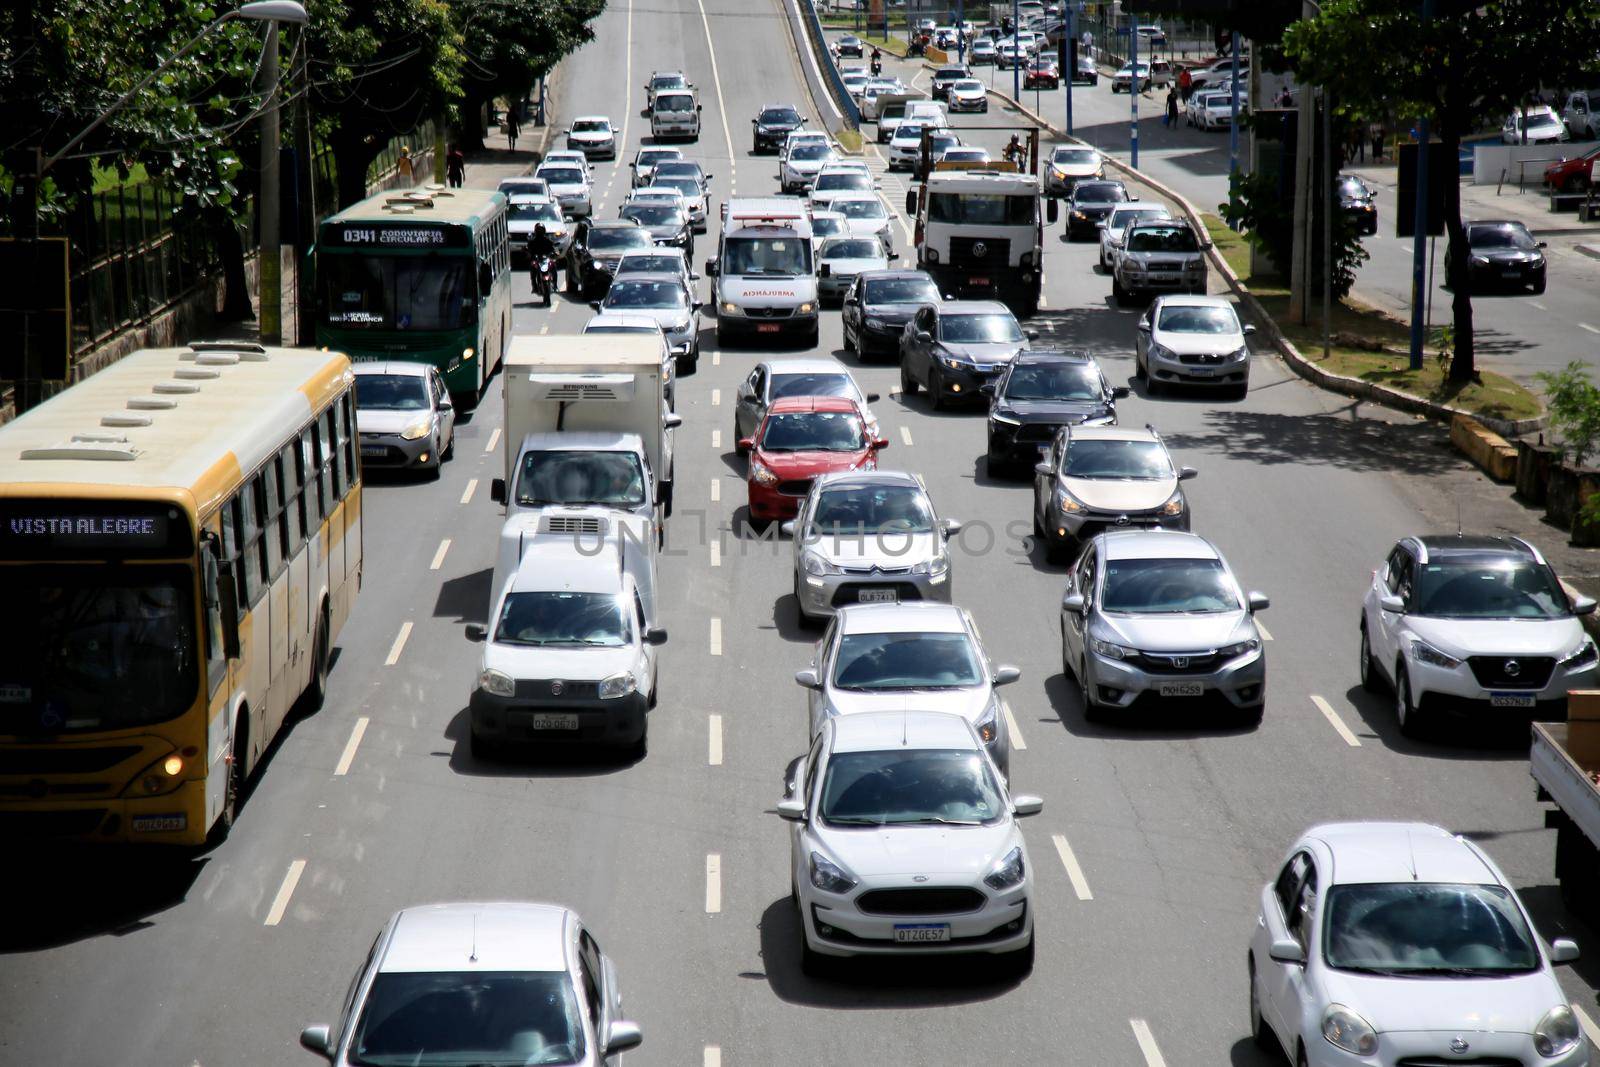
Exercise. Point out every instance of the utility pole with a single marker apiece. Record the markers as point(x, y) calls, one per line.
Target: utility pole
point(1300, 249)
point(1070, 54)
point(1233, 122)
point(1327, 224)
point(1419, 236)
point(1016, 52)
point(1133, 90)
point(270, 316)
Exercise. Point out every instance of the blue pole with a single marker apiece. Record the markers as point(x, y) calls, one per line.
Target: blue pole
point(1233, 122)
point(1133, 90)
point(1419, 237)
point(1072, 48)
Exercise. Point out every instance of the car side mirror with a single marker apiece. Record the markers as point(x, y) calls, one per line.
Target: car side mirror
point(1043, 468)
point(923, 335)
point(622, 1036)
point(792, 810)
point(1005, 674)
point(787, 528)
point(1583, 605)
point(746, 443)
point(1185, 473)
point(694, 278)
point(1024, 805)
point(485, 281)
point(1259, 602)
point(949, 527)
point(477, 632)
point(1249, 330)
point(987, 389)
point(671, 421)
point(1101, 226)
point(696, 305)
point(711, 268)
point(699, 107)
point(1133, 198)
point(497, 490)
point(1144, 327)
point(911, 202)
point(1563, 950)
point(1544, 244)
point(1032, 335)
point(1120, 392)
point(1392, 604)
point(445, 405)
point(807, 679)
point(1074, 603)
point(893, 256)
point(228, 606)
point(655, 635)
point(825, 271)
point(873, 398)
point(1052, 211)
point(1287, 950)
point(318, 1039)
point(594, 305)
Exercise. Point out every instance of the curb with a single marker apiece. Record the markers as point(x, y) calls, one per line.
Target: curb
point(1307, 369)
point(1592, 251)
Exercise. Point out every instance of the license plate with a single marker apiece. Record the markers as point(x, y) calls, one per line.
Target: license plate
point(1182, 689)
point(921, 935)
point(877, 596)
point(977, 281)
point(1512, 272)
point(551, 720)
point(158, 823)
point(376, 451)
point(1511, 700)
point(767, 327)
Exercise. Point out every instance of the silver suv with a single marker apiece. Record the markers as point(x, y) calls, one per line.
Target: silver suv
point(874, 657)
point(1163, 254)
point(868, 537)
point(1095, 477)
point(1158, 615)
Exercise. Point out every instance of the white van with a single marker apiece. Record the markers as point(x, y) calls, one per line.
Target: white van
point(675, 113)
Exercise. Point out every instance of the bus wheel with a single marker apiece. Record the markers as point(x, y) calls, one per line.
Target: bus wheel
point(234, 792)
point(317, 690)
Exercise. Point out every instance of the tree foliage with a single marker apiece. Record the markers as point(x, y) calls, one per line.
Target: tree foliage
point(509, 44)
point(1466, 67)
point(1258, 209)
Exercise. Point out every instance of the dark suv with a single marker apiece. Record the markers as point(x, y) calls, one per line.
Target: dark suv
point(1039, 392)
point(1091, 202)
point(772, 125)
point(945, 77)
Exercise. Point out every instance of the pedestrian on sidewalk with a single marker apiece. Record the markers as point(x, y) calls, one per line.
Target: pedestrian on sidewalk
point(455, 167)
point(1171, 117)
point(404, 167)
point(1185, 84)
point(513, 128)
point(1376, 132)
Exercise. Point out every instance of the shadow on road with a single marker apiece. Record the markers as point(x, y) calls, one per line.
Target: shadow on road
point(66, 895)
point(1339, 439)
point(1446, 737)
point(530, 759)
point(464, 599)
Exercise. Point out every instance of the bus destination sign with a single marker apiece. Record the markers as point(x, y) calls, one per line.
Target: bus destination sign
point(390, 235)
point(65, 529)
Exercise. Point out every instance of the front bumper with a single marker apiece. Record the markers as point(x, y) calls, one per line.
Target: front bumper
point(834, 285)
point(743, 324)
point(605, 149)
point(1184, 280)
point(836, 925)
point(773, 503)
point(880, 334)
point(1087, 226)
point(980, 103)
point(964, 383)
point(1496, 276)
point(826, 593)
point(1241, 682)
point(1458, 690)
point(1396, 1047)
point(575, 206)
point(620, 721)
point(392, 450)
point(1080, 526)
point(176, 818)
point(1230, 374)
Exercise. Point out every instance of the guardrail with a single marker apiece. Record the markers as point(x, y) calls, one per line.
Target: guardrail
point(830, 69)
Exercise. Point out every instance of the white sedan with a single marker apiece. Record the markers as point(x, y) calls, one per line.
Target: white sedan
point(903, 840)
point(1192, 340)
point(865, 215)
point(1400, 943)
point(968, 94)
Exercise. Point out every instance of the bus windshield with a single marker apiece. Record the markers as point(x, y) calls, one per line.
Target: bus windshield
point(96, 648)
point(396, 292)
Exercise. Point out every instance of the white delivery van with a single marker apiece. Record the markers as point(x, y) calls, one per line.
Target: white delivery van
point(675, 113)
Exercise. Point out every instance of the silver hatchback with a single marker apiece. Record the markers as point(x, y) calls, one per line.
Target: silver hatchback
point(1157, 615)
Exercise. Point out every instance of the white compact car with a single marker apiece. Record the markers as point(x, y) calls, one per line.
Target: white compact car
point(865, 215)
point(904, 841)
point(1474, 624)
point(1543, 126)
point(1399, 944)
point(968, 95)
point(800, 166)
point(593, 135)
point(569, 186)
point(1192, 340)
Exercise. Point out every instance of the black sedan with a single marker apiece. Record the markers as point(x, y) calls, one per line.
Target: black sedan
point(945, 77)
point(1504, 255)
point(849, 45)
point(878, 305)
point(955, 347)
point(772, 126)
point(596, 247)
point(1089, 205)
point(1358, 201)
point(1039, 392)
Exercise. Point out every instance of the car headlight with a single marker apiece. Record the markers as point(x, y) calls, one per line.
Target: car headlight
point(953, 362)
point(1079, 215)
point(1156, 350)
point(1343, 1028)
point(812, 563)
point(1557, 1032)
point(761, 474)
point(988, 724)
point(682, 327)
point(1425, 652)
point(618, 685)
point(1007, 872)
point(805, 309)
point(416, 430)
point(1480, 261)
point(729, 308)
point(1581, 656)
point(1068, 504)
point(1111, 650)
point(1238, 648)
point(829, 876)
point(497, 683)
point(1240, 353)
point(938, 566)
point(931, 255)
point(1173, 506)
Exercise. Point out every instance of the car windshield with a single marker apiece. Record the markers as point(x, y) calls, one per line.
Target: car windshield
point(908, 131)
point(982, 209)
point(609, 478)
point(1505, 589)
point(1174, 238)
point(1182, 319)
point(1426, 928)
point(527, 186)
point(811, 151)
point(650, 264)
point(813, 383)
point(1167, 587)
point(910, 786)
point(1077, 157)
point(615, 238)
point(645, 294)
point(675, 102)
point(906, 661)
point(96, 648)
point(766, 255)
point(979, 329)
point(524, 211)
point(868, 509)
point(780, 116)
point(651, 156)
point(1535, 121)
point(967, 85)
point(843, 179)
point(591, 126)
point(648, 214)
point(1138, 460)
point(1121, 216)
point(1054, 381)
point(861, 209)
point(1099, 193)
point(1353, 187)
point(811, 431)
point(901, 291)
point(484, 1018)
point(853, 248)
point(1501, 237)
point(564, 618)
point(391, 392)
point(562, 175)
point(395, 292)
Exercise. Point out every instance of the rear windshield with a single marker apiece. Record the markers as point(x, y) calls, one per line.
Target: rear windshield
point(1099, 192)
point(562, 175)
point(779, 116)
point(1175, 238)
point(853, 248)
point(615, 238)
point(902, 291)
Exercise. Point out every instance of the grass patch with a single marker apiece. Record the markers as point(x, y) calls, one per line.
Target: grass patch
point(850, 140)
point(1370, 344)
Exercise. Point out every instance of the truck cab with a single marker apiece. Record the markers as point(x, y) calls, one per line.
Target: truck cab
point(763, 280)
point(980, 235)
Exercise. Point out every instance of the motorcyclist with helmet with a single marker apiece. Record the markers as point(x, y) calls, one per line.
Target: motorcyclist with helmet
point(541, 251)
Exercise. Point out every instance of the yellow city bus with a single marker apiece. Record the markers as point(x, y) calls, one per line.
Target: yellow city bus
point(180, 543)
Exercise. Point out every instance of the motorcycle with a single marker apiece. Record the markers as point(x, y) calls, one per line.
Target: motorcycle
point(544, 278)
point(877, 67)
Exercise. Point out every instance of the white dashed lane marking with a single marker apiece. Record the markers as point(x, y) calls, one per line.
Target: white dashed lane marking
point(348, 756)
point(714, 742)
point(1080, 884)
point(713, 883)
point(280, 903)
point(472, 487)
point(494, 439)
point(905, 434)
point(399, 645)
point(1147, 1043)
point(1336, 722)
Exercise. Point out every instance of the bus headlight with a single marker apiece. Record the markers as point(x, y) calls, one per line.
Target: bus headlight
point(162, 776)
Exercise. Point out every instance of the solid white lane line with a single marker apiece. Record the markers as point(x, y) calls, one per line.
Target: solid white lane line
point(280, 903)
point(1262, 630)
point(1589, 1028)
point(716, 81)
point(716, 398)
point(714, 745)
point(399, 645)
point(627, 79)
point(1337, 723)
point(905, 434)
point(1147, 1043)
point(472, 487)
point(438, 557)
point(716, 438)
point(349, 754)
point(1011, 724)
point(716, 490)
point(713, 1056)
point(494, 439)
point(1591, 329)
point(716, 636)
point(1080, 884)
point(713, 883)
point(716, 554)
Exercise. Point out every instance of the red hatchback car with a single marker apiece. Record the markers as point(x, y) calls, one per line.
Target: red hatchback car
point(1572, 175)
point(1043, 74)
point(800, 438)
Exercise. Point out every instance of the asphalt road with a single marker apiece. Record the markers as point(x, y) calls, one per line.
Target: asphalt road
point(676, 861)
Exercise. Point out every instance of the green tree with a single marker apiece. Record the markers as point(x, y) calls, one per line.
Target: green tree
point(1258, 209)
point(1466, 67)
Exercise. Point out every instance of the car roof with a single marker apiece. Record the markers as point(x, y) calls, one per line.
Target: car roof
point(640, 253)
point(562, 563)
point(840, 238)
point(1494, 222)
point(1367, 852)
point(1156, 544)
point(925, 616)
point(614, 224)
point(625, 319)
point(1193, 300)
point(804, 366)
point(971, 307)
point(1166, 224)
point(1054, 355)
point(893, 272)
point(593, 118)
point(878, 731)
point(668, 276)
point(867, 479)
point(402, 367)
point(507, 936)
point(1460, 546)
point(788, 404)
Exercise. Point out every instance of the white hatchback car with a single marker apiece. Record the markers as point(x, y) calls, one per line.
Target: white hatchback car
point(1388, 944)
point(593, 135)
point(1475, 624)
point(904, 841)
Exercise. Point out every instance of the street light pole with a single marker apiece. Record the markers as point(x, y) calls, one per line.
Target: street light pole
point(1233, 122)
point(1419, 239)
point(1300, 246)
point(1069, 52)
point(1016, 53)
point(1327, 224)
point(270, 316)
